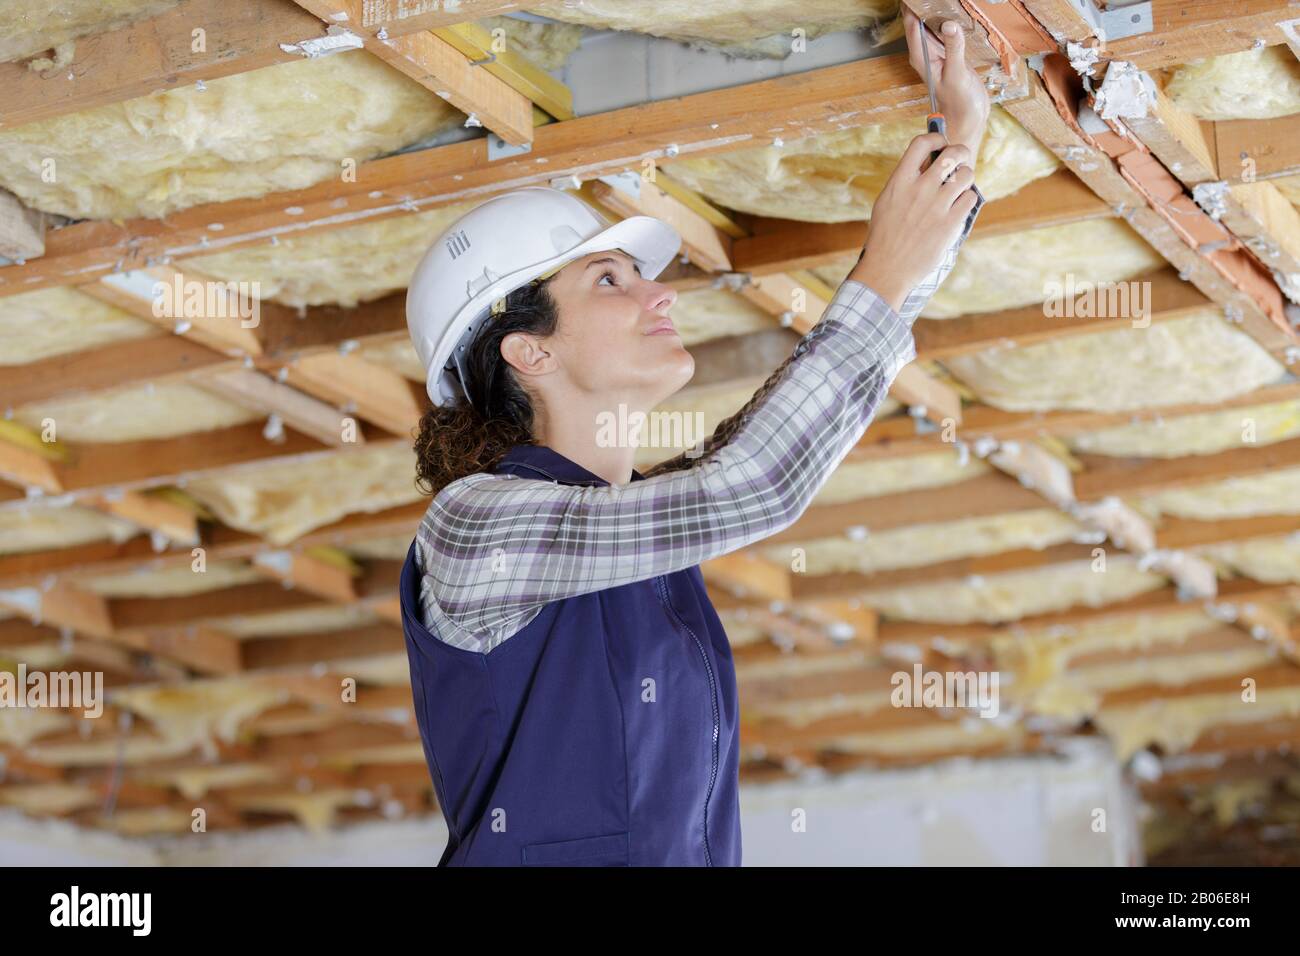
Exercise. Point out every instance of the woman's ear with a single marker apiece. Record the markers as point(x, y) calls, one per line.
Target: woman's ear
point(527, 355)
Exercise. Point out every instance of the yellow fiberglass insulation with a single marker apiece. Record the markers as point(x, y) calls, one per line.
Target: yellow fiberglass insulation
point(1205, 434)
point(1271, 560)
point(922, 544)
point(135, 413)
point(739, 27)
point(397, 355)
point(1004, 597)
point(381, 670)
point(703, 314)
point(1038, 663)
point(392, 547)
point(281, 127)
point(687, 418)
point(28, 28)
point(1175, 723)
point(306, 620)
point(1199, 359)
point(199, 710)
point(1270, 493)
point(48, 322)
point(944, 737)
point(316, 810)
point(1022, 268)
point(1252, 84)
point(55, 799)
point(871, 477)
point(835, 177)
point(1289, 187)
point(45, 527)
point(19, 726)
point(545, 45)
point(147, 821)
point(177, 580)
point(323, 268)
point(196, 782)
point(284, 500)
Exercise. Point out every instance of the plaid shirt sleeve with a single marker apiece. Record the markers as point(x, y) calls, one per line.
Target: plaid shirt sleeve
point(496, 548)
point(919, 296)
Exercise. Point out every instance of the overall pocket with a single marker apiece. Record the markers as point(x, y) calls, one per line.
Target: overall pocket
point(609, 850)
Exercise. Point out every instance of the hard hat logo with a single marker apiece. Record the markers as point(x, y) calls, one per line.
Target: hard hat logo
point(457, 243)
point(502, 244)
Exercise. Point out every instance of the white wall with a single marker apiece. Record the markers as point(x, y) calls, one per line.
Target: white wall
point(1017, 812)
point(1020, 812)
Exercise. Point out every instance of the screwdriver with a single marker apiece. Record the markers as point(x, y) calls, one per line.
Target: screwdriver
point(935, 122)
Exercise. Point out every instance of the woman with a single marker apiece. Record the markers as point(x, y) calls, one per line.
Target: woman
point(574, 688)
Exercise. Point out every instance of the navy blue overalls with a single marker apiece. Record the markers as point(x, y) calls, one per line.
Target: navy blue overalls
point(605, 733)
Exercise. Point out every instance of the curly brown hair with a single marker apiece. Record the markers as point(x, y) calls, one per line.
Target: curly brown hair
point(472, 436)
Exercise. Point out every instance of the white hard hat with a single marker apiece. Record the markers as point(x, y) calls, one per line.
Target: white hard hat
point(499, 246)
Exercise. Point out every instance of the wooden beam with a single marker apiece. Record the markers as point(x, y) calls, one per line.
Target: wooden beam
point(281, 335)
point(379, 395)
point(203, 649)
point(220, 543)
point(158, 53)
point(1163, 295)
point(859, 93)
point(1165, 218)
point(254, 390)
point(146, 613)
point(748, 575)
point(440, 67)
point(511, 67)
point(779, 245)
point(157, 515)
point(792, 302)
point(1187, 30)
point(979, 51)
point(1258, 149)
point(310, 649)
point(919, 390)
point(1103, 476)
point(62, 605)
point(308, 573)
point(706, 245)
point(222, 318)
point(400, 17)
point(158, 357)
point(28, 467)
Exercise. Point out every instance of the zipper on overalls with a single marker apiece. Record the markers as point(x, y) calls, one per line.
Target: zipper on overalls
point(661, 588)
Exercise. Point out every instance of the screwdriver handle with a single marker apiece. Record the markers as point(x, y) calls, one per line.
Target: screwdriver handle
point(935, 123)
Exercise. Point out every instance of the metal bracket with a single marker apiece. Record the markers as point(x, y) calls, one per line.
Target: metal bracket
point(1116, 22)
point(627, 182)
point(498, 148)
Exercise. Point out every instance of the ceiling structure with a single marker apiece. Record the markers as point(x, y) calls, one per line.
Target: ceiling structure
point(1096, 496)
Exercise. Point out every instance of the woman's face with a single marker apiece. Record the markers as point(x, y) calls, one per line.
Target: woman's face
point(615, 340)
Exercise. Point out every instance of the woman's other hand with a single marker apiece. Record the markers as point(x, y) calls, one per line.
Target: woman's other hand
point(916, 217)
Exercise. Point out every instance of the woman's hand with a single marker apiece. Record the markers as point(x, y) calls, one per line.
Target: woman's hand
point(963, 100)
point(916, 217)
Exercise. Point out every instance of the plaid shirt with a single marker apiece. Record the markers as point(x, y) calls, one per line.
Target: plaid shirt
point(495, 548)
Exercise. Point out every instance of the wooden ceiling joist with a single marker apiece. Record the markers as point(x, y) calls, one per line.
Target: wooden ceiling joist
point(158, 54)
point(832, 98)
point(439, 67)
point(1249, 298)
point(778, 245)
